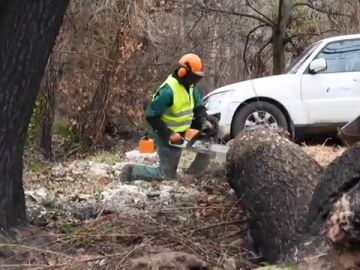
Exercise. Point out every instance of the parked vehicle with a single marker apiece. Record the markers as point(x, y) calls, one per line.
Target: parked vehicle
point(317, 94)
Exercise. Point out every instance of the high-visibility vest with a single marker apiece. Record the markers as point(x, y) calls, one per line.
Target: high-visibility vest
point(179, 116)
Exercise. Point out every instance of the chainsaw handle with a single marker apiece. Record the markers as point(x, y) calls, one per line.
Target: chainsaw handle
point(182, 143)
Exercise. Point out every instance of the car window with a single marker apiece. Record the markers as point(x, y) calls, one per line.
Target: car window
point(297, 63)
point(341, 56)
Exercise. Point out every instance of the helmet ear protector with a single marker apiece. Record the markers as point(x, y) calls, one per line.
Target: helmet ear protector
point(183, 70)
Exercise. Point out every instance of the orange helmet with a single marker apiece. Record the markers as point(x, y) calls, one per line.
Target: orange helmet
point(190, 62)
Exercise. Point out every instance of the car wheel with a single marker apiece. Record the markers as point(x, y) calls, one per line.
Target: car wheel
point(258, 113)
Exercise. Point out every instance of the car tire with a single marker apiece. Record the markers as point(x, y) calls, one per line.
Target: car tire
point(247, 114)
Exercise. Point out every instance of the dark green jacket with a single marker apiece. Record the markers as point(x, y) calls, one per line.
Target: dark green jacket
point(162, 101)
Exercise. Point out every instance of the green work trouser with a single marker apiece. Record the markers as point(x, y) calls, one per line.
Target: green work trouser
point(169, 157)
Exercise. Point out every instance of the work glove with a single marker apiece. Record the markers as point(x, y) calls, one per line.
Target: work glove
point(176, 138)
point(210, 126)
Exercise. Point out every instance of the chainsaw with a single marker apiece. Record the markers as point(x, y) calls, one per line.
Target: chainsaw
point(194, 141)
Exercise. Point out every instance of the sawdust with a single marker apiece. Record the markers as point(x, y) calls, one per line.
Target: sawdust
point(324, 155)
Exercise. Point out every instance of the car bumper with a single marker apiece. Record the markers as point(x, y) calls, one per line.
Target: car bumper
point(224, 115)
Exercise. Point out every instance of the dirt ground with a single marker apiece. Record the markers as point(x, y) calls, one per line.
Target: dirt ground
point(83, 217)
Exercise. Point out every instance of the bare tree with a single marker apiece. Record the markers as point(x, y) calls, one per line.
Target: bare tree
point(277, 25)
point(51, 83)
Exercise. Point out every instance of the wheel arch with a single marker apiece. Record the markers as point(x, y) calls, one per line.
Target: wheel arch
point(273, 102)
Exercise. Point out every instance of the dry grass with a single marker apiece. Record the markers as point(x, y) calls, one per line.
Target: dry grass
point(208, 223)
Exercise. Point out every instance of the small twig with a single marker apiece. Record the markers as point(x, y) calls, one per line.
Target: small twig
point(100, 214)
point(232, 207)
point(189, 248)
point(187, 208)
point(20, 266)
point(218, 224)
point(131, 252)
point(95, 258)
point(36, 249)
point(87, 235)
point(326, 140)
point(232, 234)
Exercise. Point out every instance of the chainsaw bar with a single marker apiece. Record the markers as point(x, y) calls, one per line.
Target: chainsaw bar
point(204, 147)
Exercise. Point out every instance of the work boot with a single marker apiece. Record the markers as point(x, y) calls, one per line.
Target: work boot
point(126, 173)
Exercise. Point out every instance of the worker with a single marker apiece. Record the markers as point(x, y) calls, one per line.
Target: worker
point(175, 107)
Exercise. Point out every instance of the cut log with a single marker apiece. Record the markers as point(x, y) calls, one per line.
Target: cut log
point(340, 177)
point(334, 210)
point(332, 238)
point(275, 180)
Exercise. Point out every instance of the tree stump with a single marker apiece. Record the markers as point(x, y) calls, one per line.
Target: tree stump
point(275, 180)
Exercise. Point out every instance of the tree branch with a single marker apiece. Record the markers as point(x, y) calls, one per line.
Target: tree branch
point(247, 43)
point(311, 6)
point(194, 25)
point(262, 48)
point(259, 12)
point(311, 34)
point(240, 14)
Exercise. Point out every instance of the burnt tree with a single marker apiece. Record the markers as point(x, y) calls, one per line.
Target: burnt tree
point(275, 179)
point(27, 34)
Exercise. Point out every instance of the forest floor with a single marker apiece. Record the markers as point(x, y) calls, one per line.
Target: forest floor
point(83, 217)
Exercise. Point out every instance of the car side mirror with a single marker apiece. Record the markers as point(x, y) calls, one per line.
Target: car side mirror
point(317, 65)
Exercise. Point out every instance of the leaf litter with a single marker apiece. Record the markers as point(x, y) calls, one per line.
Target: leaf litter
point(90, 220)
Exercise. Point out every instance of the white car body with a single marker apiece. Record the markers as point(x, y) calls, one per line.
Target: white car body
point(306, 99)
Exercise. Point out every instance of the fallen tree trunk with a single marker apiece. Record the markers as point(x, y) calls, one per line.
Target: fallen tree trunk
point(341, 177)
point(275, 179)
point(334, 211)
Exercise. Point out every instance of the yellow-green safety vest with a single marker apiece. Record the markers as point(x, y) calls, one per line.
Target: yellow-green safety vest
point(179, 116)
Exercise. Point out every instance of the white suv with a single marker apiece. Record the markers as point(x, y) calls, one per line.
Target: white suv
point(318, 93)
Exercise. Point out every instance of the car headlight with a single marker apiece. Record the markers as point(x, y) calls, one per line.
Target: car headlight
point(214, 101)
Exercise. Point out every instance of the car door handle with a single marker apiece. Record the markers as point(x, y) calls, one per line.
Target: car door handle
point(356, 80)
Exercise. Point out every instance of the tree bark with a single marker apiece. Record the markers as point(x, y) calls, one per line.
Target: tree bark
point(276, 182)
point(279, 35)
point(275, 179)
point(335, 207)
point(341, 176)
point(331, 239)
point(27, 33)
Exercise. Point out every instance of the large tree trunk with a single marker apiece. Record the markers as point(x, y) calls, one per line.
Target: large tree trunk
point(27, 34)
point(334, 210)
point(279, 35)
point(332, 234)
point(341, 176)
point(275, 179)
